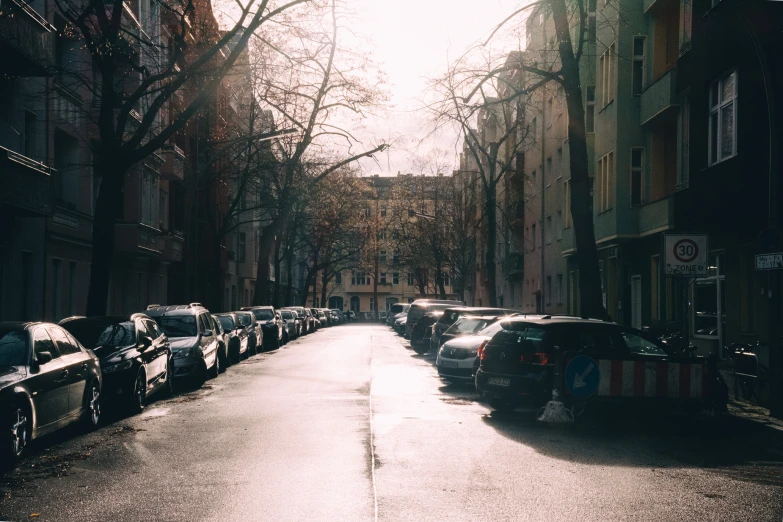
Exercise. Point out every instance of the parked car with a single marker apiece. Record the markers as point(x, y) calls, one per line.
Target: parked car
point(238, 337)
point(321, 317)
point(316, 322)
point(337, 317)
point(223, 337)
point(254, 335)
point(400, 323)
point(134, 355)
point(291, 325)
point(271, 324)
point(450, 315)
point(516, 367)
point(47, 380)
point(194, 344)
point(394, 310)
point(311, 321)
point(422, 306)
point(305, 324)
point(457, 359)
point(421, 332)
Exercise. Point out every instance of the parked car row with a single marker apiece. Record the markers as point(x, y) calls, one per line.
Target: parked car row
point(52, 375)
point(510, 359)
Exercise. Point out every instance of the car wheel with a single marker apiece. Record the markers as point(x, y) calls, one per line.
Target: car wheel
point(170, 377)
point(18, 430)
point(234, 352)
point(138, 396)
point(92, 406)
point(201, 376)
point(421, 349)
point(215, 370)
point(225, 361)
point(501, 405)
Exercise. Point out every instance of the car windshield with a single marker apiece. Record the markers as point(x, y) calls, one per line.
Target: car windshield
point(491, 330)
point(468, 326)
point(245, 319)
point(226, 322)
point(263, 315)
point(97, 333)
point(178, 325)
point(13, 348)
point(286, 315)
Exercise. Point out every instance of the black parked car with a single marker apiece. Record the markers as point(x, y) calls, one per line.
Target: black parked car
point(248, 320)
point(47, 380)
point(422, 330)
point(237, 336)
point(450, 315)
point(134, 354)
point(271, 324)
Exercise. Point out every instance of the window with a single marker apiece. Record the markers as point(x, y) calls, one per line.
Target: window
point(383, 278)
point(367, 212)
point(383, 211)
point(43, 343)
point(395, 278)
point(559, 162)
point(559, 288)
point(606, 75)
point(533, 228)
point(567, 204)
point(591, 20)
point(30, 134)
point(396, 257)
point(395, 234)
point(372, 304)
point(548, 230)
point(559, 224)
point(411, 279)
point(639, 345)
point(638, 64)
point(605, 189)
point(709, 298)
point(446, 279)
point(241, 247)
point(548, 171)
point(686, 19)
point(590, 109)
point(685, 108)
point(533, 129)
point(637, 176)
point(655, 302)
point(338, 278)
point(548, 290)
point(383, 256)
point(72, 288)
point(382, 235)
point(723, 118)
point(64, 345)
point(533, 181)
point(56, 292)
point(353, 277)
point(548, 114)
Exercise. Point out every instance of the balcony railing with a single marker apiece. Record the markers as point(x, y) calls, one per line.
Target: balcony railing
point(26, 41)
point(173, 163)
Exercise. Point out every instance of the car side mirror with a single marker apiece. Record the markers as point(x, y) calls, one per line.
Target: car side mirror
point(239, 328)
point(44, 357)
point(208, 333)
point(145, 342)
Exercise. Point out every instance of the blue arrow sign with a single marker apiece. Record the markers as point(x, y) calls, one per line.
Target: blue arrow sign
point(582, 377)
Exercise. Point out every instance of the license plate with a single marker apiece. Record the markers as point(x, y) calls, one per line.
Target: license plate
point(498, 381)
point(449, 364)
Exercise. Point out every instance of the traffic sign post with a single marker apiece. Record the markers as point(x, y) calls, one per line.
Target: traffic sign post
point(685, 256)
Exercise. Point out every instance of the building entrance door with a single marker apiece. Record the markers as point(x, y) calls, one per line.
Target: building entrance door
point(636, 301)
point(355, 304)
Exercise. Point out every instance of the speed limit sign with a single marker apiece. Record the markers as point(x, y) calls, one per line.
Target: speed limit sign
point(685, 255)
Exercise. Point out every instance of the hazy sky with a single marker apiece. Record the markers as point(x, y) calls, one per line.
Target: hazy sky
point(413, 40)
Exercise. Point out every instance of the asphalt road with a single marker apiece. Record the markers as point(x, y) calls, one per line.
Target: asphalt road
point(350, 424)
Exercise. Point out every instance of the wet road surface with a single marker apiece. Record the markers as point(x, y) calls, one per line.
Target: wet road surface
point(289, 435)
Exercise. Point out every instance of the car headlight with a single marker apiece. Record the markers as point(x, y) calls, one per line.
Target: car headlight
point(195, 351)
point(117, 367)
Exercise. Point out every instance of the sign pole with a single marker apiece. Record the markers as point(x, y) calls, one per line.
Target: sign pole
point(685, 329)
point(773, 340)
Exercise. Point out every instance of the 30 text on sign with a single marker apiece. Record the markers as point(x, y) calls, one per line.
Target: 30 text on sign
point(685, 255)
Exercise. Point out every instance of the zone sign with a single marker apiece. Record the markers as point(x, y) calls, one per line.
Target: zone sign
point(685, 255)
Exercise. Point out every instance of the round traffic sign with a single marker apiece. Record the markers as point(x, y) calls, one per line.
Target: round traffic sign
point(686, 250)
point(582, 376)
point(770, 239)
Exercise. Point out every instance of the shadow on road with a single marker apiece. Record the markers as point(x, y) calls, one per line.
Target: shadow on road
point(733, 446)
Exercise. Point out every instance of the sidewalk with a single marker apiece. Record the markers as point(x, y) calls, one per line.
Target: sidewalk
point(755, 413)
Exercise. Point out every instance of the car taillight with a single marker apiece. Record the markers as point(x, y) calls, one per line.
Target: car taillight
point(481, 348)
point(535, 358)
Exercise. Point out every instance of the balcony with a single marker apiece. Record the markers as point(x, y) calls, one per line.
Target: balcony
point(173, 168)
point(28, 187)
point(660, 97)
point(514, 266)
point(26, 41)
point(171, 246)
point(516, 213)
point(657, 216)
point(137, 239)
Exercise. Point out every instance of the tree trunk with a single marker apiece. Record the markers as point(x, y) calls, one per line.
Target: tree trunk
point(265, 245)
point(439, 280)
point(306, 290)
point(107, 211)
point(422, 282)
point(324, 282)
point(289, 300)
point(491, 213)
point(217, 281)
point(276, 295)
point(581, 211)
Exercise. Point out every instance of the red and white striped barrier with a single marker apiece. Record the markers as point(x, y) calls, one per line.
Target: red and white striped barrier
point(652, 379)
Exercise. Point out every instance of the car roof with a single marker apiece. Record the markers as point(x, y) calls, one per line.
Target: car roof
point(188, 309)
point(251, 308)
point(546, 320)
point(18, 325)
point(483, 317)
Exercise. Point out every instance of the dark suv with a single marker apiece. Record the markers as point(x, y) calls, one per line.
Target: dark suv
point(615, 364)
point(420, 335)
point(271, 324)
